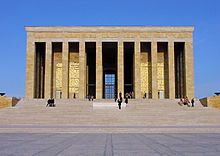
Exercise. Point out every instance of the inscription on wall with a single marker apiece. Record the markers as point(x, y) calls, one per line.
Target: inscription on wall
point(144, 77)
point(145, 82)
point(74, 77)
point(160, 76)
point(59, 76)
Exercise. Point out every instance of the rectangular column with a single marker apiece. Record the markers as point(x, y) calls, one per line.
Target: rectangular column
point(137, 74)
point(48, 71)
point(99, 71)
point(171, 65)
point(82, 70)
point(30, 69)
point(120, 68)
point(189, 70)
point(65, 71)
point(154, 70)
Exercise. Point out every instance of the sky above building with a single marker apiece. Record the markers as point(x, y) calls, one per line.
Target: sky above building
point(203, 14)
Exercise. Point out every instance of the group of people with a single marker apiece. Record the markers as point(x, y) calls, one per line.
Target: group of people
point(90, 97)
point(120, 99)
point(186, 101)
point(50, 102)
point(130, 95)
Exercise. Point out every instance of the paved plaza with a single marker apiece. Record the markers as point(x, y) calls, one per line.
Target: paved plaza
point(103, 144)
point(143, 127)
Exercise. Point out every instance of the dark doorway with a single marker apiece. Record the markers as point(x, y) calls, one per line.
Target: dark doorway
point(128, 66)
point(39, 69)
point(109, 54)
point(180, 89)
point(162, 61)
point(91, 70)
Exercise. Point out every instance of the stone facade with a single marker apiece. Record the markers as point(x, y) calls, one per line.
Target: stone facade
point(162, 58)
point(211, 102)
point(8, 101)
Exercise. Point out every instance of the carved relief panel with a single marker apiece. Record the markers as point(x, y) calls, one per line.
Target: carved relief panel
point(160, 76)
point(74, 77)
point(59, 76)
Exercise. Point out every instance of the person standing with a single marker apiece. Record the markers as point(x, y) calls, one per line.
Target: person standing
point(48, 102)
point(132, 94)
point(74, 95)
point(184, 101)
point(92, 97)
point(145, 95)
point(120, 94)
point(187, 102)
point(89, 97)
point(126, 99)
point(181, 102)
point(192, 101)
point(115, 97)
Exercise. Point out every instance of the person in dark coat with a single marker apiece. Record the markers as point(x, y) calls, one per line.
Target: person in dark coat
point(50, 102)
point(126, 99)
point(119, 102)
point(145, 95)
point(74, 95)
point(192, 101)
point(115, 97)
point(119, 94)
point(92, 97)
point(53, 103)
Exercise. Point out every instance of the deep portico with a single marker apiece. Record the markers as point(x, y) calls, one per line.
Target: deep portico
point(106, 60)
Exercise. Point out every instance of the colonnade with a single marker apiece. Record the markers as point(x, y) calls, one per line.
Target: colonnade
point(30, 75)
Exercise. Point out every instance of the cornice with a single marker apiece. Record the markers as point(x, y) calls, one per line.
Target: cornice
point(109, 28)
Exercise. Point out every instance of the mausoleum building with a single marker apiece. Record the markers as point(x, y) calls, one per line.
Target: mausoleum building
point(63, 61)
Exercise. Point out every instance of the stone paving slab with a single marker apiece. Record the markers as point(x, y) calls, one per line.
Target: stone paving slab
point(107, 129)
point(109, 144)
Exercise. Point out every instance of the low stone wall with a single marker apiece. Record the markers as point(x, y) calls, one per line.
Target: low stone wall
point(8, 101)
point(211, 102)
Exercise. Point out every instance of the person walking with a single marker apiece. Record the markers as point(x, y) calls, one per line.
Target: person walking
point(119, 102)
point(192, 101)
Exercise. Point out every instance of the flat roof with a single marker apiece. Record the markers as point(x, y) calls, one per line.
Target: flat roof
point(109, 28)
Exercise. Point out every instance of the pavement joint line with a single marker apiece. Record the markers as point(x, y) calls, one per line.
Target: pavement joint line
point(105, 127)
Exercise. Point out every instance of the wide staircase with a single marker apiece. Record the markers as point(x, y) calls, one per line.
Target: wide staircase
point(84, 112)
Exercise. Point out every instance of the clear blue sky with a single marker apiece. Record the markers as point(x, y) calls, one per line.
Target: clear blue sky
point(203, 14)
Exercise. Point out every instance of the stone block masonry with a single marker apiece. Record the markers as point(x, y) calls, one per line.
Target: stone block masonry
point(167, 73)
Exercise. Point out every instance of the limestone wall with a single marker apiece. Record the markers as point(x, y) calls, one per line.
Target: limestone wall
point(57, 73)
point(161, 77)
point(211, 102)
point(74, 75)
point(7, 101)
